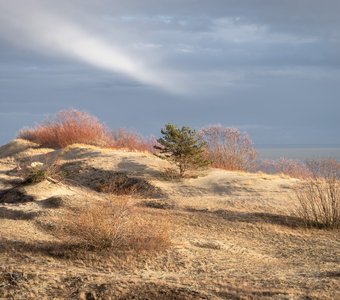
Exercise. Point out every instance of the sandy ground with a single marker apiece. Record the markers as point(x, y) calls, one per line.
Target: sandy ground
point(233, 235)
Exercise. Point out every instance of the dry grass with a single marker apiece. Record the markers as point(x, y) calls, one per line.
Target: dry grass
point(171, 174)
point(319, 202)
point(66, 128)
point(319, 194)
point(228, 148)
point(116, 225)
point(36, 172)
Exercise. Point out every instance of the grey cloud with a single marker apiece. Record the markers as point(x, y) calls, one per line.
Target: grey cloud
point(270, 67)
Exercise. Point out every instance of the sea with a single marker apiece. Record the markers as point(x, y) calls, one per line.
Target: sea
point(298, 152)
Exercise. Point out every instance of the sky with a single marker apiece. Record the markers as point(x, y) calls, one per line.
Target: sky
point(268, 67)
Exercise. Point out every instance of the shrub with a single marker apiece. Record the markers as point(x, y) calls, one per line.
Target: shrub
point(319, 195)
point(182, 147)
point(326, 168)
point(228, 148)
point(291, 167)
point(114, 225)
point(124, 139)
point(66, 128)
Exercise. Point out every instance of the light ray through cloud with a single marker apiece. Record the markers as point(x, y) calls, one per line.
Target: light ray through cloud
point(38, 29)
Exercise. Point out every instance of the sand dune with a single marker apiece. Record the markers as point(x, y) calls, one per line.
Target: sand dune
point(233, 234)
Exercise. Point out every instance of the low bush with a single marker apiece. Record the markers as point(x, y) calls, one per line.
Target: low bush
point(124, 139)
point(66, 128)
point(291, 167)
point(114, 225)
point(319, 195)
point(228, 148)
point(325, 168)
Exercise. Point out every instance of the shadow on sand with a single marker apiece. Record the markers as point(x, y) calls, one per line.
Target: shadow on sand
point(119, 183)
point(13, 214)
point(254, 217)
point(54, 249)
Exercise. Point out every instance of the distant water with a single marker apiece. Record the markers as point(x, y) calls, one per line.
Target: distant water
point(298, 152)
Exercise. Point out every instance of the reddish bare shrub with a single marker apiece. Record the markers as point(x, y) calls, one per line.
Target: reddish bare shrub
point(66, 128)
point(228, 148)
point(319, 195)
point(114, 225)
point(124, 139)
point(291, 167)
point(326, 168)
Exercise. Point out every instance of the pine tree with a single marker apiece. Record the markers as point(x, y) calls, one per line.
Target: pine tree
point(183, 147)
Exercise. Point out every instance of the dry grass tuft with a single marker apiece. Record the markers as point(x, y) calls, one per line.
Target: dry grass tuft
point(66, 128)
point(319, 195)
point(171, 174)
point(37, 172)
point(114, 225)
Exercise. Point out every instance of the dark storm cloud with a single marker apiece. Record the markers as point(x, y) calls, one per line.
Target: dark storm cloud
point(269, 67)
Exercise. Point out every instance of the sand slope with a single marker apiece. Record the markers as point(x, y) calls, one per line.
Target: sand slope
point(233, 234)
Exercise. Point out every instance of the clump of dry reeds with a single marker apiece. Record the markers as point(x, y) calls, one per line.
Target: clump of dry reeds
point(114, 225)
point(319, 195)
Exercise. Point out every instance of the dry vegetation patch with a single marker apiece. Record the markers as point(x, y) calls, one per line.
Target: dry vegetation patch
point(291, 167)
point(131, 140)
point(38, 172)
point(66, 128)
point(319, 195)
point(114, 225)
point(121, 184)
point(110, 182)
point(229, 148)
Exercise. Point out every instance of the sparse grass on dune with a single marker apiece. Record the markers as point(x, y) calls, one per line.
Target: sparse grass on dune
point(37, 172)
point(113, 225)
point(225, 235)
